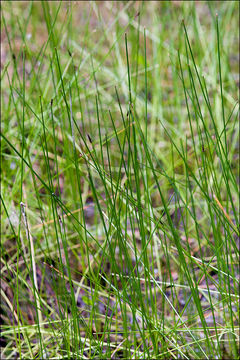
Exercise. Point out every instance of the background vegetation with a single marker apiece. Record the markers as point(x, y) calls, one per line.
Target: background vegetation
point(119, 188)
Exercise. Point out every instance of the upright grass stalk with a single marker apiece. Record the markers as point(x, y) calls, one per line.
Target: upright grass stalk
point(131, 226)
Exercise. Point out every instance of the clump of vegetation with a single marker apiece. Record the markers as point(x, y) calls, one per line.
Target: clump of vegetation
point(120, 228)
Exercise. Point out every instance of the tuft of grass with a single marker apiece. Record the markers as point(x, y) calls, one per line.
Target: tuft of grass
point(119, 153)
